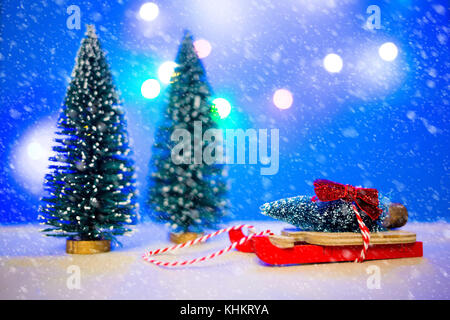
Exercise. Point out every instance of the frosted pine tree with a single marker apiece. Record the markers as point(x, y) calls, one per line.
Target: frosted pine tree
point(189, 196)
point(91, 184)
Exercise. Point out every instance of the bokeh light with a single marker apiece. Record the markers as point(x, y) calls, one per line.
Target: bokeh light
point(30, 156)
point(166, 71)
point(35, 150)
point(149, 11)
point(283, 99)
point(257, 48)
point(203, 48)
point(222, 106)
point(388, 51)
point(333, 63)
point(150, 88)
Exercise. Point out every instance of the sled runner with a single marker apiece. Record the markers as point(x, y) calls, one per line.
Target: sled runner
point(300, 247)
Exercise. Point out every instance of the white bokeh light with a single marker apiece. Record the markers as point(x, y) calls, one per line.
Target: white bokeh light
point(203, 48)
point(150, 88)
point(166, 71)
point(283, 99)
point(388, 51)
point(223, 107)
point(29, 157)
point(149, 11)
point(35, 150)
point(333, 63)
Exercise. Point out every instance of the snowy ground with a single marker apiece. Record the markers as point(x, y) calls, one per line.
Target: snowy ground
point(36, 267)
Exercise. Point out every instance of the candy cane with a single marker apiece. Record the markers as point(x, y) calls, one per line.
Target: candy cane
point(365, 235)
point(148, 254)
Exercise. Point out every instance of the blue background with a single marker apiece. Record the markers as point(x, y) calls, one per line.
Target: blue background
point(376, 123)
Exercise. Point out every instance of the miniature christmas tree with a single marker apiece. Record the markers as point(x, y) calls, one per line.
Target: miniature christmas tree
point(188, 196)
point(91, 186)
point(335, 211)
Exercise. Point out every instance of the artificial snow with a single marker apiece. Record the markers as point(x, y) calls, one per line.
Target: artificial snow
point(36, 267)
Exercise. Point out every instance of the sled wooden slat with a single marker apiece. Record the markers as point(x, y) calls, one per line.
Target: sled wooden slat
point(291, 237)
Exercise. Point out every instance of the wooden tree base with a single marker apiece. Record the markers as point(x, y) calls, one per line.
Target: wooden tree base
point(87, 246)
point(183, 237)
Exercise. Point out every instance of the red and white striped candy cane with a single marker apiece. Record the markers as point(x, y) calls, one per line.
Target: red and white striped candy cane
point(365, 235)
point(147, 256)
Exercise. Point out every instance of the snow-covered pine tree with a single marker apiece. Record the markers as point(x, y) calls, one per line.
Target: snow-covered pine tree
point(189, 197)
point(91, 184)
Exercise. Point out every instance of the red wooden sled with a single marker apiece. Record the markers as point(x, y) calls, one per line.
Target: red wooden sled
point(292, 248)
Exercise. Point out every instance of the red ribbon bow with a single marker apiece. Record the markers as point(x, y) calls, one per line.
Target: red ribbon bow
point(366, 199)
